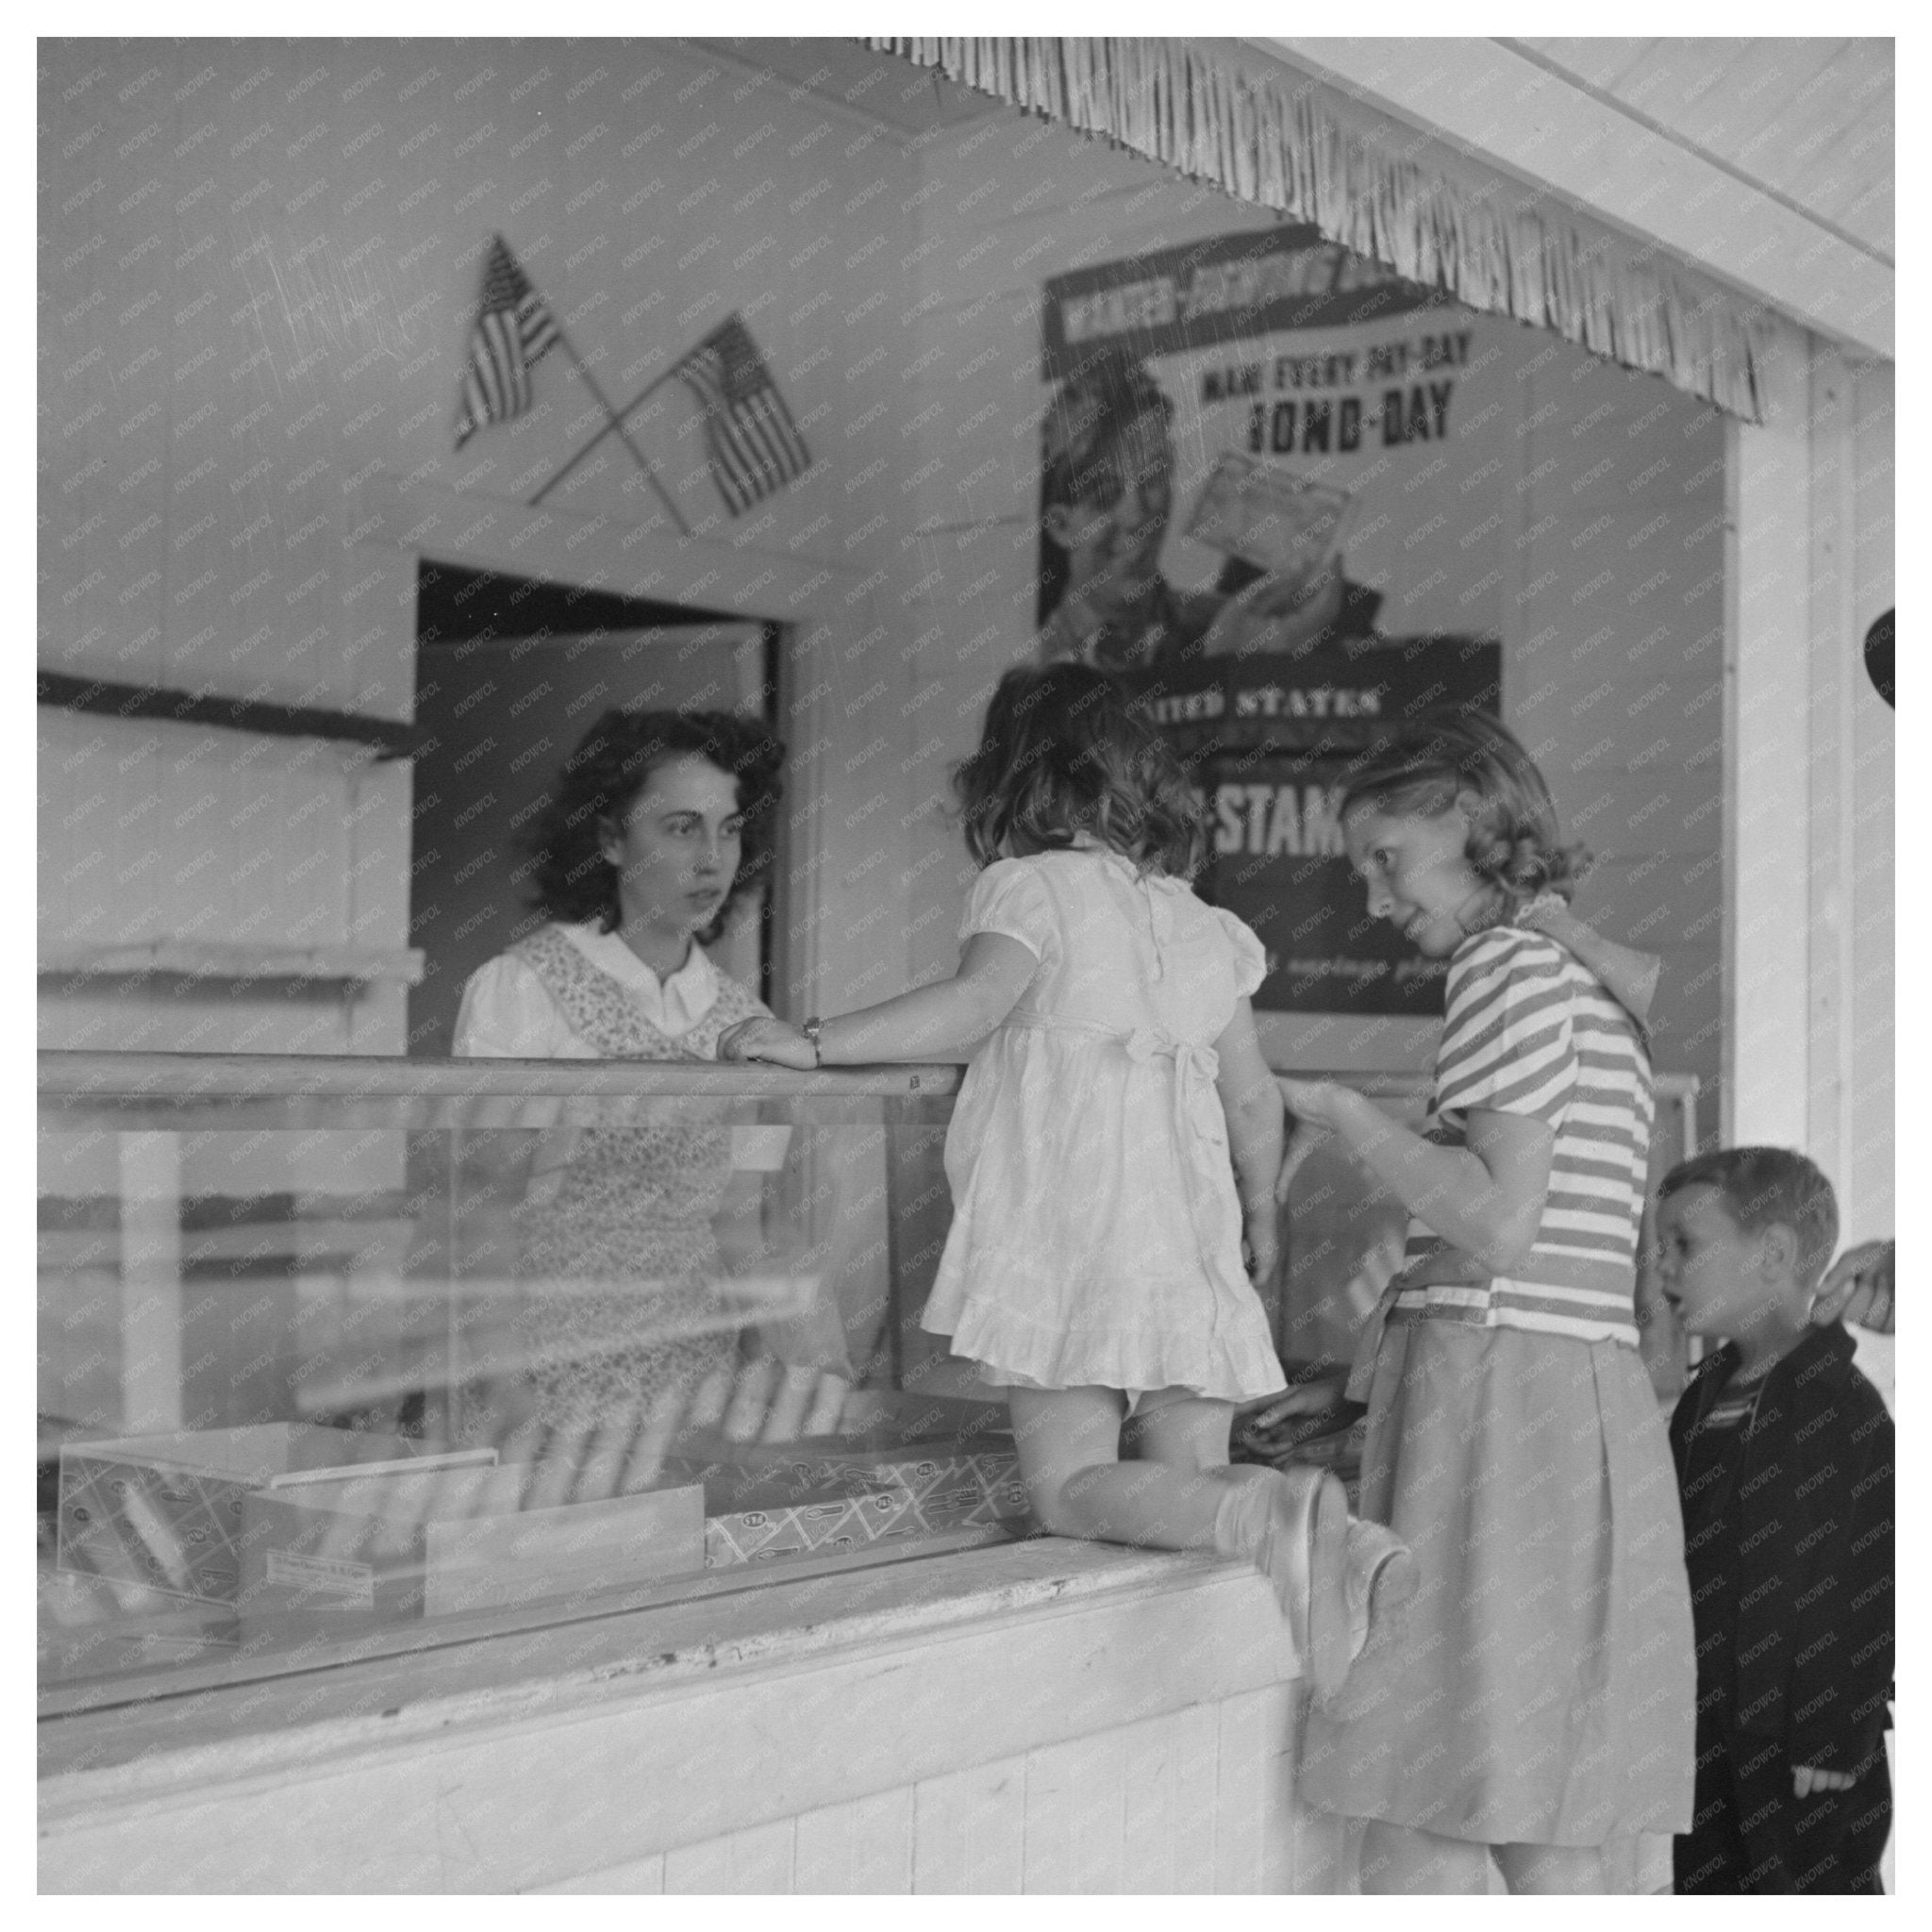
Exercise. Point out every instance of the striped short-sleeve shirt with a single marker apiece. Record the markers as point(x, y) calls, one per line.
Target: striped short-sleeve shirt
point(1528, 1029)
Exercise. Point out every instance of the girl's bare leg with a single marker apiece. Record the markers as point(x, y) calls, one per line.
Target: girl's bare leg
point(1397, 1859)
point(1292, 1523)
point(1181, 1495)
point(1069, 1442)
point(1552, 1869)
point(1181, 1429)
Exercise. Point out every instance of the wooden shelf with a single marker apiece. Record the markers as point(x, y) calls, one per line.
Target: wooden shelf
point(213, 960)
point(389, 737)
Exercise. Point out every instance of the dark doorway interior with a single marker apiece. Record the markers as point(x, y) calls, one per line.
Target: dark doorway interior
point(510, 673)
point(455, 604)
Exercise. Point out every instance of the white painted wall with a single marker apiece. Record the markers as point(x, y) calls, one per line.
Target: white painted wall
point(1869, 1158)
point(262, 266)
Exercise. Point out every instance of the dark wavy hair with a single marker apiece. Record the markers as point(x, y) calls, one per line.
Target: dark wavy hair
point(1514, 845)
point(1763, 1185)
point(602, 779)
point(1063, 752)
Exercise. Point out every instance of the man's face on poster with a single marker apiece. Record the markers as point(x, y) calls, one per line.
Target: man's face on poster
point(1113, 549)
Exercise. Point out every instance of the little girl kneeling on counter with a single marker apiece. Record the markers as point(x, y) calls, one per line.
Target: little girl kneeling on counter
point(1094, 1265)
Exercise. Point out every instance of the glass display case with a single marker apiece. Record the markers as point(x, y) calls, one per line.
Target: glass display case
point(345, 1357)
point(342, 1358)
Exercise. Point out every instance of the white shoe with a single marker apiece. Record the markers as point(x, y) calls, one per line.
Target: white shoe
point(1382, 1576)
point(1293, 1524)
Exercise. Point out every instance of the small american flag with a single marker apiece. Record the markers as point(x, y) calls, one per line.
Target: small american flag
point(753, 444)
point(513, 328)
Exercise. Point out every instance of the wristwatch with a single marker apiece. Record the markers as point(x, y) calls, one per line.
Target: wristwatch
point(811, 1029)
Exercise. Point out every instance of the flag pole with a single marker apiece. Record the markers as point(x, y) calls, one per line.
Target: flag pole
point(616, 422)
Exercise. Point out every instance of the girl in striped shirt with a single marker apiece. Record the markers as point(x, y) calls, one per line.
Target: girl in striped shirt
point(1540, 1701)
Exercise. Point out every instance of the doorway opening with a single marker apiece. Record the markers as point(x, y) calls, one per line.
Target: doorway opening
point(510, 671)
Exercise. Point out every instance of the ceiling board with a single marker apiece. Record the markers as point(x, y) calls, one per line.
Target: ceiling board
point(878, 87)
point(1668, 78)
point(1603, 62)
point(1806, 120)
point(1774, 96)
point(1809, 120)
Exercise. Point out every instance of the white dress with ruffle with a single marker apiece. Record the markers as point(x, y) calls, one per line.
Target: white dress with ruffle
point(1097, 1231)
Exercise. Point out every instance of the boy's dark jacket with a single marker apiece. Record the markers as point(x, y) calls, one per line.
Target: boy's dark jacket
point(1810, 1512)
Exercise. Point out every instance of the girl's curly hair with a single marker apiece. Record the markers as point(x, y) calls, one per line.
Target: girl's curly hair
point(1514, 845)
point(603, 778)
point(1064, 752)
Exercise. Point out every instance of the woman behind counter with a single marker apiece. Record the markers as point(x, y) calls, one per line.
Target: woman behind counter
point(659, 823)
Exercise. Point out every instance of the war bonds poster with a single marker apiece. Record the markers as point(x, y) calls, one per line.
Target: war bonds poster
point(1275, 489)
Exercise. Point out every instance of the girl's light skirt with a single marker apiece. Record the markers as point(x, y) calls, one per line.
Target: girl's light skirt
point(1546, 1693)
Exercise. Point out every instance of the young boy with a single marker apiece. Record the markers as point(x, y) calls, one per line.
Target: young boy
point(1784, 1456)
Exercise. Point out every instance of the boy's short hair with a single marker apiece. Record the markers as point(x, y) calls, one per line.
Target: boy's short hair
point(1762, 1186)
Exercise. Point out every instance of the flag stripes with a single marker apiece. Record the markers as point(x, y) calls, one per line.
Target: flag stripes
point(752, 443)
point(513, 329)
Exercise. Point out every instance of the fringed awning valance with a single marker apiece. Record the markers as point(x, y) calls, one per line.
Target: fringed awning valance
point(1256, 129)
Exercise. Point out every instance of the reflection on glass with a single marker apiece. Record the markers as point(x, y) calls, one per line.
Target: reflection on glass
point(619, 1312)
point(324, 1371)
